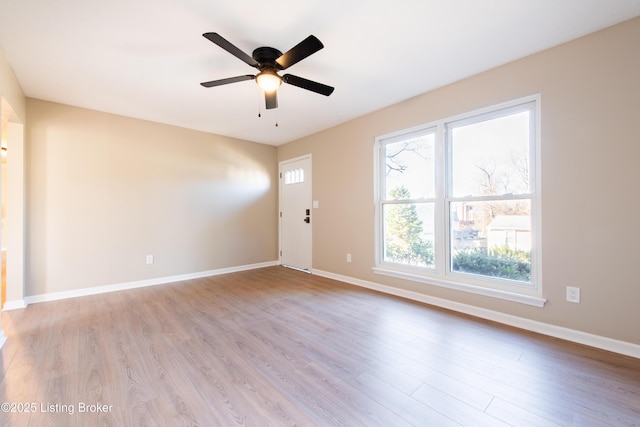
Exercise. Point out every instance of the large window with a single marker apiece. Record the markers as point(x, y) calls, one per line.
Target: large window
point(458, 202)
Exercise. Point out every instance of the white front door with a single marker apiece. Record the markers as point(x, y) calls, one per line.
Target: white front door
point(295, 213)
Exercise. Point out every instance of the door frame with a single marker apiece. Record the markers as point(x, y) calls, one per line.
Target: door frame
point(280, 191)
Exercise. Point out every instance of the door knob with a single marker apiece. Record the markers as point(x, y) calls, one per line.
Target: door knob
point(307, 220)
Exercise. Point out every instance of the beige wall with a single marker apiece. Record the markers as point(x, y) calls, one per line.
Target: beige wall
point(590, 97)
point(104, 191)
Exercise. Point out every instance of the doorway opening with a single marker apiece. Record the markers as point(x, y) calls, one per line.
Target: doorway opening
point(12, 199)
point(3, 219)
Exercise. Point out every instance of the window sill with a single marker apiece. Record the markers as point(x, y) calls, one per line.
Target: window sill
point(533, 300)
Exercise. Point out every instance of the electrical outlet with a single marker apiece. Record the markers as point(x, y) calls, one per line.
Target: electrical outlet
point(149, 259)
point(348, 257)
point(573, 294)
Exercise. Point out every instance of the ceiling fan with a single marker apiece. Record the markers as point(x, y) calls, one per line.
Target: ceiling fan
point(269, 61)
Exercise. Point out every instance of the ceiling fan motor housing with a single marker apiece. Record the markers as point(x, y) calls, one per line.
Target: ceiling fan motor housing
point(266, 57)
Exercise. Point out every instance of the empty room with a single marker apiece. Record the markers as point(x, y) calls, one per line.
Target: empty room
point(410, 213)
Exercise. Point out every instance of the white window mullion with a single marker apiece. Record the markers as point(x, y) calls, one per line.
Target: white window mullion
point(498, 197)
point(442, 211)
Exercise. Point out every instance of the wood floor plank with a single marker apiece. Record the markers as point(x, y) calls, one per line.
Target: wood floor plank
point(278, 347)
point(515, 415)
point(408, 407)
point(457, 409)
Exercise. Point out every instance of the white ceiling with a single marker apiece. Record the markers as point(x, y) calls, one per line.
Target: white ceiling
point(146, 58)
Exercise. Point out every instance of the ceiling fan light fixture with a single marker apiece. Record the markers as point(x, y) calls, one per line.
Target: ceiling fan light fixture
point(268, 80)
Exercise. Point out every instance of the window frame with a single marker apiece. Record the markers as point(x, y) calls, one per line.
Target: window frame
point(442, 274)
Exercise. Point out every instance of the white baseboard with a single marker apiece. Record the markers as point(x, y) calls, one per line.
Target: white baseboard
point(3, 338)
point(604, 343)
point(54, 296)
point(14, 305)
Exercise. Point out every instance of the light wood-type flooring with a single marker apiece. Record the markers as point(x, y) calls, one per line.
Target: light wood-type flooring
point(277, 347)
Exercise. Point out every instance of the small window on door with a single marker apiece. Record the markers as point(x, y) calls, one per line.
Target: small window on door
point(294, 176)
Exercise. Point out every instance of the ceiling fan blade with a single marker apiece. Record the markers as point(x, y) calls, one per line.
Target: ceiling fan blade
point(305, 48)
point(228, 80)
point(232, 49)
point(271, 99)
point(308, 84)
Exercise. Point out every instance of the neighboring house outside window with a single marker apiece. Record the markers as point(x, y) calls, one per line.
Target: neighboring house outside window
point(457, 202)
point(510, 231)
